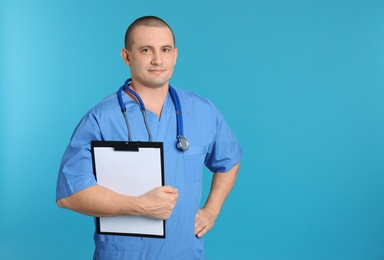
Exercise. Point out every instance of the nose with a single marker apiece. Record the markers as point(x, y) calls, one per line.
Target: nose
point(157, 58)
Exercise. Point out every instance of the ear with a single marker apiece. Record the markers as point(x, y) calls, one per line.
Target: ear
point(176, 54)
point(125, 56)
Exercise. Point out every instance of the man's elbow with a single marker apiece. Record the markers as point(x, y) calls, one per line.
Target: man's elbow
point(62, 203)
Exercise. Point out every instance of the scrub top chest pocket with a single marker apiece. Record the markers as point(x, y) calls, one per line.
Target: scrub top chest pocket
point(193, 163)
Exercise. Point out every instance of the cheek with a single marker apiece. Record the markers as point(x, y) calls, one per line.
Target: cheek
point(137, 65)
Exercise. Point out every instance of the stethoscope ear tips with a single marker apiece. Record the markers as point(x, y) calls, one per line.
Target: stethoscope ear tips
point(183, 144)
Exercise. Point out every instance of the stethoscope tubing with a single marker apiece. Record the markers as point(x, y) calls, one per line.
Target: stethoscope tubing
point(182, 141)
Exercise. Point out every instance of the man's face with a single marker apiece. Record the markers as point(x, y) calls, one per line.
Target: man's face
point(152, 56)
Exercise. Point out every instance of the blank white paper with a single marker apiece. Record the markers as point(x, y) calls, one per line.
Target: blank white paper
point(129, 173)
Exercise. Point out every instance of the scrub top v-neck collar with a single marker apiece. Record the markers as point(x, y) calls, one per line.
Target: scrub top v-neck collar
point(160, 125)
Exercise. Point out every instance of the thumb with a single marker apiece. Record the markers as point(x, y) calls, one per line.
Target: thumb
point(169, 189)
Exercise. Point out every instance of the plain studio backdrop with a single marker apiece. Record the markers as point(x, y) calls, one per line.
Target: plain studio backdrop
point(300, 82)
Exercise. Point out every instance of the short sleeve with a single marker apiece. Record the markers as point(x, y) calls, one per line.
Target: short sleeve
point(225, 151)
point(76, 172)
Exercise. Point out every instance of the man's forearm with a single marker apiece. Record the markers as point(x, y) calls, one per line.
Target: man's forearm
point(99, 201)
point(222, 184)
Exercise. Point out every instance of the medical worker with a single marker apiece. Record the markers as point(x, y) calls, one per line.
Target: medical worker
point(151, 55)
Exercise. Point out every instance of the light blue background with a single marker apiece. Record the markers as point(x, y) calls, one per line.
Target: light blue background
point(300, 82)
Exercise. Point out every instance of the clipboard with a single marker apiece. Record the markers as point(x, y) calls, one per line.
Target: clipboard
point(133, 169)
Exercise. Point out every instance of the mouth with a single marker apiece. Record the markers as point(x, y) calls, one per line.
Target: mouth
point(157, 70)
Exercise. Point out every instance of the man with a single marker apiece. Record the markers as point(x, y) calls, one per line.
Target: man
point(151, 55)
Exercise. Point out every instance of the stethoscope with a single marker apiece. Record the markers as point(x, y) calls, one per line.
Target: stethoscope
point(182, 143)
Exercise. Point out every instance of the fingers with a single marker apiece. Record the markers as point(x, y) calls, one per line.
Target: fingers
point(170, 190)
point(199, 225)
point(170, 193)
point(202, 231)
point(204, 221)
point(160, 202)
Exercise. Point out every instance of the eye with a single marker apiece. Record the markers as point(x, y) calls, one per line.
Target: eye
point(145, 50)
point(167, 49)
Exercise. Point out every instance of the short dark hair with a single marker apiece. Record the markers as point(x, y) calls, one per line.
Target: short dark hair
point(150, 21)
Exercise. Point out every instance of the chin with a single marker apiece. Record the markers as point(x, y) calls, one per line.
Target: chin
point(158, 83)
point(153, 81)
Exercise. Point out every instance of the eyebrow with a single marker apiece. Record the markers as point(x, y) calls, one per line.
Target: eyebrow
point(152, 47)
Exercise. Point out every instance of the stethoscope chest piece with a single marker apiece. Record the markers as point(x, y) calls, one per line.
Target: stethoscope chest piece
point(183, 143)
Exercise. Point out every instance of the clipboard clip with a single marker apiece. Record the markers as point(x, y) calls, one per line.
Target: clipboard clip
point(127, 146)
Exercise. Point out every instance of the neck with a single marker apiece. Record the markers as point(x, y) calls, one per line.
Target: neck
point(153, 98)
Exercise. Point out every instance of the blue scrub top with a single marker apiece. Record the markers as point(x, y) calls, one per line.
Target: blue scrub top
point(212, 144)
